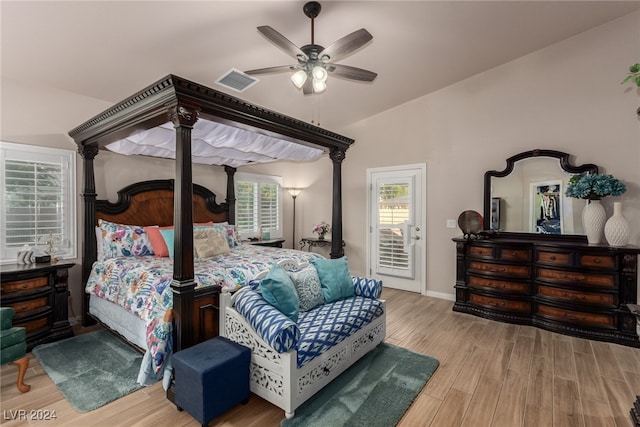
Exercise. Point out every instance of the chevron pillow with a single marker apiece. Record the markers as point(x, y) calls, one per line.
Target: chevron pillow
point(367, 287)
point(276, 329)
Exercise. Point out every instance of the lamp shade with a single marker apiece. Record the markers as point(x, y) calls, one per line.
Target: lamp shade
point(319, 74)
point(294, 191)
point(299, 78)
point(319, 86)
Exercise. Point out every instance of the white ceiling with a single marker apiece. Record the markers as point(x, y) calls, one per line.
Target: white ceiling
point(109, 50)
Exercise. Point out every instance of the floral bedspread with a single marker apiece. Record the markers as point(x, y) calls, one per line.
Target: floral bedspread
point(141, 285)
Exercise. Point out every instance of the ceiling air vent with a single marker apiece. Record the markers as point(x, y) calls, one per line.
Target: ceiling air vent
point(237, 80)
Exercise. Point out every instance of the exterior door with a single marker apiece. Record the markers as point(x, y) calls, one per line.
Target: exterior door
point(396, 246)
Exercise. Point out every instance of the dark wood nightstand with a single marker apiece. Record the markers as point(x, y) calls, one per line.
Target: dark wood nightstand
point(274, 243)
point(39, 294)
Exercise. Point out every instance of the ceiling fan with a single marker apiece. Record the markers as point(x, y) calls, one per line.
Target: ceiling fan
point(315, 61)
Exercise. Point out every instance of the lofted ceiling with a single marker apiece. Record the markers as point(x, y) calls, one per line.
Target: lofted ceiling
point(110, 49)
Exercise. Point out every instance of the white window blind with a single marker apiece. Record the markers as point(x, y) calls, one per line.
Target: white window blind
point(258, 205)
point(393, 212)
point(38, 185)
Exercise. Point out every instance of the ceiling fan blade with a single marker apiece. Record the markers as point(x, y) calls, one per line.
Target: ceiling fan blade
point(282, 42)
point(347, 44)
point(268, 70)
point(352, 73)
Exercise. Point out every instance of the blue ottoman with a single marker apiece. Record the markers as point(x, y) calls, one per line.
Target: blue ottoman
point(211, 378)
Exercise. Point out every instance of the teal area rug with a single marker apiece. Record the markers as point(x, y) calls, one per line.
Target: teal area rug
point(375, 392)
point(92, 369)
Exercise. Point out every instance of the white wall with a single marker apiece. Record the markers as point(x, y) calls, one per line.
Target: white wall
point(566, 97)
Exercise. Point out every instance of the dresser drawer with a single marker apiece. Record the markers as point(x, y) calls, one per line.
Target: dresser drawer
point(34, 325)
point(555, 258)
point(598, 261)
point(577, 317)
point(25, 285)
point(577, 296)
point(503, 285)
point(513, 270)
point(514, 254)
point(588, 279)
point(501, 304)
point(28, 306)
point(480, 251)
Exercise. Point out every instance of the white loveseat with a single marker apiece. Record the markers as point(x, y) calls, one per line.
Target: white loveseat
point(291, 361)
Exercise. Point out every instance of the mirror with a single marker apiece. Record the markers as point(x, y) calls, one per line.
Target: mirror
point(528, 195)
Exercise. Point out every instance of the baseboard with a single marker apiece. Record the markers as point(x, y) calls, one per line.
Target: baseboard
point(441, 295)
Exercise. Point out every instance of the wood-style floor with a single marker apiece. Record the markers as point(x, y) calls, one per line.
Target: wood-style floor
point(490, 374)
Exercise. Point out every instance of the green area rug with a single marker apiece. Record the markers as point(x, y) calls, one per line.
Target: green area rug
point(91, 370)
point(376, 391)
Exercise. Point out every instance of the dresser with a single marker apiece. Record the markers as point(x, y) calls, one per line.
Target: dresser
point(39, 294)
point(568, 287)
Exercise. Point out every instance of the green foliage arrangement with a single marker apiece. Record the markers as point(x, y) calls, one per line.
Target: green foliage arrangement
point(634, 75)
point(594, 186)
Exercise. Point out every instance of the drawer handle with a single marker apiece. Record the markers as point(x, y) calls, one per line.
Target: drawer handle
point(24, 307)
point(514, 254)
point(552, 257)
point(25, 286)
point(597, 261)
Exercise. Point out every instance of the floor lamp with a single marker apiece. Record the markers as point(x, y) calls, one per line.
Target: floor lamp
point(294, 193)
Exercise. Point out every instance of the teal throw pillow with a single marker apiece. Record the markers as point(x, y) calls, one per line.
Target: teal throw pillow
point(335, 278)
point(278, 290)
point(167, 235)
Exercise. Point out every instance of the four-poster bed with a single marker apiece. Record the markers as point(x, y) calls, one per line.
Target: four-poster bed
point(209, 127)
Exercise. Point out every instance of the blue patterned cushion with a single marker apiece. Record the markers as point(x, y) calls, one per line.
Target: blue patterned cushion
point(335, 278)
point(278, 290)
point(123, 240)
point(327, 325)
point(276, 329)
point(307, 285)
point(367, 287)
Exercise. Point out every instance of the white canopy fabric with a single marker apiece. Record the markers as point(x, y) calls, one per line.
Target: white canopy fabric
point(215, 144)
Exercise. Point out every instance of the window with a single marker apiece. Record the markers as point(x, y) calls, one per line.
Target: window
point(38, 199)
point(258, 205)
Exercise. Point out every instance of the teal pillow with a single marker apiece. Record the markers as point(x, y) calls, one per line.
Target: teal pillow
point(278, 290)
point(335, 278)
point(167, 235)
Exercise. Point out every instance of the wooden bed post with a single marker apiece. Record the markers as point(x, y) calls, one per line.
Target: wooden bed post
point(183, 285)
point(89, 250)
point(231, 193)
point(337, 250)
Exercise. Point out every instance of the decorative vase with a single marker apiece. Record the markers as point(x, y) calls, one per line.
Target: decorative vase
point(321, 236)
point(617, 230)
point(593, 218)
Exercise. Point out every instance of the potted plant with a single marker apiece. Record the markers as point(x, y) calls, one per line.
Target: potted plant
point(321, 229)
point(593, 187)
point(634, 76)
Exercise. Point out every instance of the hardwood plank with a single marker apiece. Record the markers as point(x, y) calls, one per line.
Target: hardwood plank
point(597, 414)
point(628, 358)
point(522, 354)
point(472, 369)
point(483, 403)
point(421, 412)
point(589, 382)
point(567, 410)
point(543, 344)
point(563, 361)
point(607, 363)
point(539, 406)
point(452, 409)
point(580, 345)
point(511, 404)
point(620, 399)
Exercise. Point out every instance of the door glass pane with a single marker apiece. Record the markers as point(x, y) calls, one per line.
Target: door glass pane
point(393, 257)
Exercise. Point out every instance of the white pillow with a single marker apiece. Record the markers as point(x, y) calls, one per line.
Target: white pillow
point(99, 243)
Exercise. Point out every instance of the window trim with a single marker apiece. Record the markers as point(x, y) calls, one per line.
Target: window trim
point(261, 179)
point(41, 153)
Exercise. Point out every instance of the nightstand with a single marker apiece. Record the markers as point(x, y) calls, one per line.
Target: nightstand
point(274, 243)
point(39, 294)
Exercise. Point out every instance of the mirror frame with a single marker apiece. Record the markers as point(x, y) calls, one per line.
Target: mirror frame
point(565, 164)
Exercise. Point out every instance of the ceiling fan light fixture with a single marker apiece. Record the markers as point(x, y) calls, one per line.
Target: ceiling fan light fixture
point(299, 78)
point(319, 74)
point(319, 86)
